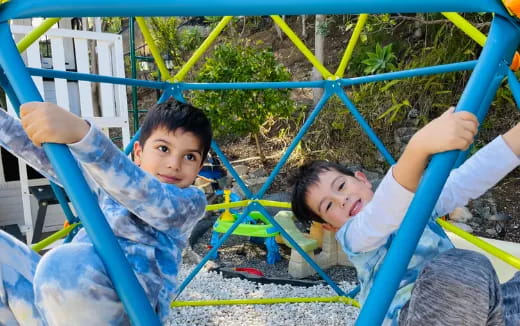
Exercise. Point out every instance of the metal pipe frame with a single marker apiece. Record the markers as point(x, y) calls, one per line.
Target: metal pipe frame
point(490, 69)
point(125, 283)
point(58, 191)
point(308, 123)
point(259, 207)
point(501, 44)
point(96, 78)
point(95, 8)
point(365, 126)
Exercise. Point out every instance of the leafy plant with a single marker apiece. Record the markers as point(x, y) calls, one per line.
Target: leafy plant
point(380, 60)
point(242, 112)
point(395, 111)
point(172, 41)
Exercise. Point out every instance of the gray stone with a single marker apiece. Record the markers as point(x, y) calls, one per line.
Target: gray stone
point(461, 214)
point(260, 172)
point(241, 169)
point(485, 206)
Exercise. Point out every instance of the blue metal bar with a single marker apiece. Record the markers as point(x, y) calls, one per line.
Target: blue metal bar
point(62, 199)
point(425, 71)
point(481, 115)
point(95, 8)
point(130, 147)
point(366, 127)
point(125, 283)
point(95, 78)
point(4, 83)
point(213, 250)
point(319, 106)
point(514, 86)
point(502, 41)
point(58, 191)
point(302, 252)
point(231, 169)
point(252, 85)
point(176, 92)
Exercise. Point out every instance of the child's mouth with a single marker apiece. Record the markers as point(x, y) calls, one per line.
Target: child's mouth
point(356, 208)
point(168, 179)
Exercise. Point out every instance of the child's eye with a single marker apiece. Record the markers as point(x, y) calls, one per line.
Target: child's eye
point(163, 148)
point(341, 186)
point(329, 205)
point(190, 157)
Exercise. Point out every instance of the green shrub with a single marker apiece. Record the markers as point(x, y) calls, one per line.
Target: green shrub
point(242, 112)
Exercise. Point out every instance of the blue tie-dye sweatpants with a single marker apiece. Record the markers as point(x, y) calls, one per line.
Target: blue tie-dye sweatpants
point(67, 286)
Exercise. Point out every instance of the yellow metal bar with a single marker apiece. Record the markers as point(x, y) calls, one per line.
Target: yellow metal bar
point(351, 45)
point(53, 238)
point(487, 247)
point(165, 75)
point(345, 300)
point(243, 203)
point(200, 51)
point(273, 203)
point(476, 35)
point(35, 34)
point(301, 46)
point(234, 204)
point(466, 27)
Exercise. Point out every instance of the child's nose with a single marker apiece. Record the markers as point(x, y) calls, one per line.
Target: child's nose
point(175, 163)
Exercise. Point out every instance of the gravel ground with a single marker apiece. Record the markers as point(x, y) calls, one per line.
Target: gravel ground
point(211, 285)
point(238, 251)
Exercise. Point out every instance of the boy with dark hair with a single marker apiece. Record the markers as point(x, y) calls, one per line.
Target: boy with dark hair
point(442, 285)
point(150, 205)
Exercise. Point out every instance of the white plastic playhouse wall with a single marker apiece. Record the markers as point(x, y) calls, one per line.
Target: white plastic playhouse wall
point(69, 50)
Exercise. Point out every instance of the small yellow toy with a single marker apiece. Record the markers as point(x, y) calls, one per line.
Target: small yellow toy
point(226, 215)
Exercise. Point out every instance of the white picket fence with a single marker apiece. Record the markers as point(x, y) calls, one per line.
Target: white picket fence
point(70, 51)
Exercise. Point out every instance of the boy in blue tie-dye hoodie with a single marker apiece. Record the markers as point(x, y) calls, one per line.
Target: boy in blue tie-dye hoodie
point(150, 205)
point(442, 285)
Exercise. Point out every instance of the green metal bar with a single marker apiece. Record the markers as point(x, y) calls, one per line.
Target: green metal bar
point(141, 58)
point(135, 111)
point(35, 34)
point(53, 238)
point(151, 44)
point(202, 48)
point(351, 45)
point(339, 299)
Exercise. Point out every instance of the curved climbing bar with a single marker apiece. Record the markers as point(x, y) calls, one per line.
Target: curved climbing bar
point(95, 8)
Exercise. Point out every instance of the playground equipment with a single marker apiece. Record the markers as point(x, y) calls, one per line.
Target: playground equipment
point(489, 71)
point(331, 253)
point(256, 225)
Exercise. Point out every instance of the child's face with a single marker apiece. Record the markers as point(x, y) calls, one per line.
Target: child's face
point(337, 197)
point(172, 157)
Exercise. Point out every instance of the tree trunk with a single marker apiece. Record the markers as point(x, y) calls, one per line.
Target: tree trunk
point(94, 68)
point(278, 30)
point(319, 42)
point(304, 28)
point(259, 148)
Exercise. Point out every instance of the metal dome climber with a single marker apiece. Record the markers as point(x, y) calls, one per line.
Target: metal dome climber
point(489, 70)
